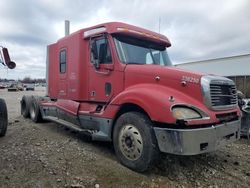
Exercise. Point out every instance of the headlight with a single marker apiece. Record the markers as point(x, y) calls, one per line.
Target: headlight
point(183, 113)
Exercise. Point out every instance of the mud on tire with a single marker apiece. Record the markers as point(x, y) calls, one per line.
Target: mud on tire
point(3, 118)
point(134, 141)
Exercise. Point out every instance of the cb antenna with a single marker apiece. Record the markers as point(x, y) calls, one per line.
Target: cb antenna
point(159, 24)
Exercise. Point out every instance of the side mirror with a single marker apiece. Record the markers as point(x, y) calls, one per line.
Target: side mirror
point(94, 55)
point(10, 64)
point(103, 52)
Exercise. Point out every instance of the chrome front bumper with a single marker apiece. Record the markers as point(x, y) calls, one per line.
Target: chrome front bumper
point(197, 141)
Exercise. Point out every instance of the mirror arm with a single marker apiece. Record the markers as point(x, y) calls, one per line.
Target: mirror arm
point(96, 64)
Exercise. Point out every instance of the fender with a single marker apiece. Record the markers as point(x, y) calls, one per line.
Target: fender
point(156, 100)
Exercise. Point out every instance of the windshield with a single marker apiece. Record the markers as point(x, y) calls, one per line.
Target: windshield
point(135, 51)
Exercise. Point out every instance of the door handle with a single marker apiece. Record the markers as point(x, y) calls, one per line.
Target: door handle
point(103, 72)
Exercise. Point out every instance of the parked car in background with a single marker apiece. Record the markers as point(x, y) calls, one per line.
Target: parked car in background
point(2, 86)
point(16, 86)
point(29, 87)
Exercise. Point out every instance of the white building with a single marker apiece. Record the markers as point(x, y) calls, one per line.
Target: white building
point(236, 68)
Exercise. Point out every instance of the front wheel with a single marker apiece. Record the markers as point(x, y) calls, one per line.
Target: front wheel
point(3, 118)
point(134, 141)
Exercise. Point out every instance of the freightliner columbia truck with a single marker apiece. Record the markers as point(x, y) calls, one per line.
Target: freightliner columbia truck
point(116, 82)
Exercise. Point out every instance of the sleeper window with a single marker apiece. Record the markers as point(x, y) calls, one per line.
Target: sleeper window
point(62, 61)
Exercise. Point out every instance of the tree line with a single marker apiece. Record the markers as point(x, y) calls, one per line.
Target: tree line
point(26, 80)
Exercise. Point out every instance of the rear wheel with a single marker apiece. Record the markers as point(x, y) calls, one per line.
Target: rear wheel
point(34, 110)
point(25, 106)
point(3, 118)
point(134, 141)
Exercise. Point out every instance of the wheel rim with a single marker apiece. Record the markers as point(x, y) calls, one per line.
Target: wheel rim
point(130, 142)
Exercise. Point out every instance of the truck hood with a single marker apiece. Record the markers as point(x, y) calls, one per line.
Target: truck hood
point(183, 81)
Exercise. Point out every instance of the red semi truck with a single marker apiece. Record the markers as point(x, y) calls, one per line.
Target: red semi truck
point(6, 61)
point(116, 82)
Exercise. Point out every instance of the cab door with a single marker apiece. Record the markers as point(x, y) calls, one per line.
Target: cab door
point(104, 81)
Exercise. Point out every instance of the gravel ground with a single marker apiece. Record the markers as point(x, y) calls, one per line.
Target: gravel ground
point(48, 155)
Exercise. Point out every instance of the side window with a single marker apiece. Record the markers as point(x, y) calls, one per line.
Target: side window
point(62, 62)
point(154, 57)
point(149, 59)
point(100, 51)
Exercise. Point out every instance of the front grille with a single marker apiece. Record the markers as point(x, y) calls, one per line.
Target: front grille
point(219, 93)
point(223, 95)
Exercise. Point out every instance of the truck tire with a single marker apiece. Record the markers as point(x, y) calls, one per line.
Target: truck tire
point(3, 118)
point(34, 110)
point(134, 141)
point(25, 106)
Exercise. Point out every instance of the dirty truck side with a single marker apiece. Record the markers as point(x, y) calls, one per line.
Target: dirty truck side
point(5, 61)
point(115, 82)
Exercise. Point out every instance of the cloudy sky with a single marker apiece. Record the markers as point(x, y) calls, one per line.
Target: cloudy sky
point(197, 29)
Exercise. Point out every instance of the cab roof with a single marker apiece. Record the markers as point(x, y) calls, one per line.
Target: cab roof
point(124, 29)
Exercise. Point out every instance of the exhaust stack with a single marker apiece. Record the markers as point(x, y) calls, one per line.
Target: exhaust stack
point(67, 27)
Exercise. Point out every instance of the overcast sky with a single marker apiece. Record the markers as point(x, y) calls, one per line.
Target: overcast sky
point(197, 29)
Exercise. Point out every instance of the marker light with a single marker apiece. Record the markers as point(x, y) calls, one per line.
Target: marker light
point(93, 31)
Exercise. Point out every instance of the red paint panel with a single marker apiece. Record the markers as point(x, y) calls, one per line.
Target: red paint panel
point(68, 106)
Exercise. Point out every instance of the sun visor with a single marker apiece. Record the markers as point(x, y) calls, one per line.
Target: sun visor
point(144, 36)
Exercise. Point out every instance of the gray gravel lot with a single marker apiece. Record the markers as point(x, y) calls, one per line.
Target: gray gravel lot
point(13, 100)
point(48, 155)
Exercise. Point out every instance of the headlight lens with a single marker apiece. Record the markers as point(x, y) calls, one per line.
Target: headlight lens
point(183, 113)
